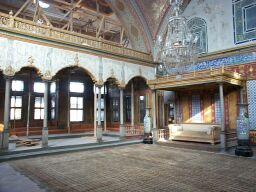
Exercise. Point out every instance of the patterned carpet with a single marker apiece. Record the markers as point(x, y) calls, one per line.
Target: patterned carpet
point(140, 168)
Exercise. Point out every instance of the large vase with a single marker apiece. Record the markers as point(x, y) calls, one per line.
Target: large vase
point(148, 139)
point(147, 122)
point(243, 130)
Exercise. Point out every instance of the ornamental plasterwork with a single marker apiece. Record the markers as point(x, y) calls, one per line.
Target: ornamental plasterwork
point(47, 75)
point(9, 71)
point(30, 61)
point(76, 60)
point(54, 59)
point(112, 73)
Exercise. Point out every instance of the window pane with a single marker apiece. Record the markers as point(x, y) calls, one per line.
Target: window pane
point(18, 102)
point(42, 102)
point(12, 101)
point(39, 87)
point(53, 114)
point(79, 102)
point(73, 101)
point(42, 113)
point(102, 104)
point(76, 115)
point(37, 102)
point(76, 87)
point(12, 113)
point(101, 90)
point(102, 116)
point(53, 102)
point(17, 114)
point(53, 87)
point(17, 85)
point(37, 114)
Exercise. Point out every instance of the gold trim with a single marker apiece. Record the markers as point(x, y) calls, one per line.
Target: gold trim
point(226, 51)
point(212, 76)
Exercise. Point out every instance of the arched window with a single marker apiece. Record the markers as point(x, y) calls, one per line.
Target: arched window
point(198, 27)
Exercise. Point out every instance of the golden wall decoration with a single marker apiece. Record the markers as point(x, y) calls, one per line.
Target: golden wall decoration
point(232, 105)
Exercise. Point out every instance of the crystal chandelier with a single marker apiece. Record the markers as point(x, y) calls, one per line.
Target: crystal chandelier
point(176, 47)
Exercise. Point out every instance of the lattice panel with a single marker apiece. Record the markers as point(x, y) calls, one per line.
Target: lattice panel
point(251, 92)
point(217, 108)
point(196, 109)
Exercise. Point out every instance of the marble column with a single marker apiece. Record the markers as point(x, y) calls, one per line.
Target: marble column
point(4, 137)
point(99, 127)
point(95, 110)
point(222, 112)
point(132, 104)
point(45, 122)
point(105, 110)
point(241, 95)
point(155, 134)
point(122, 127)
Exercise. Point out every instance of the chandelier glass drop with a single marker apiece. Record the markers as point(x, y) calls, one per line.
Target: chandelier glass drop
point(177, 46)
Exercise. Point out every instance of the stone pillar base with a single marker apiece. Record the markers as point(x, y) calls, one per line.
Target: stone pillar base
point(122, 131)
point(4, 140)
point(99, 133)
point(243, 149)
point(155, 136)
point(45, 137)
point(148, 139)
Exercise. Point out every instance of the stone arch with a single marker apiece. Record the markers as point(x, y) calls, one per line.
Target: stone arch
point(115, 79)
point(92, 76)
point(136, 76)
point(37, 70)
point(198, 26)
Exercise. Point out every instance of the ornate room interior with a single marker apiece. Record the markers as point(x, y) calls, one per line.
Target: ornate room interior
point(127, 95)
point(97, 66)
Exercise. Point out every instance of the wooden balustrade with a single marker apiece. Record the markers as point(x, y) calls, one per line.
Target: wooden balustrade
point(134, 130)
point(163, 134)
point(29, 28)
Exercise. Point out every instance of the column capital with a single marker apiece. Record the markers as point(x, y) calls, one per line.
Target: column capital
point(9, 72)
point(121, 87)
point(7, 77)
point(99, 84)
point(47, 76)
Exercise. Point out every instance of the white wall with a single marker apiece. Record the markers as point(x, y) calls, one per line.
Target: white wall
point(219, 18)
point(18, 54)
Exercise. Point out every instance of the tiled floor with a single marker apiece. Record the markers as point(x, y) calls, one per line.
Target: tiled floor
point(137, 168)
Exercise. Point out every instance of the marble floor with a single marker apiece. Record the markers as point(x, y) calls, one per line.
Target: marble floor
point(131, 168)
point(78, 140)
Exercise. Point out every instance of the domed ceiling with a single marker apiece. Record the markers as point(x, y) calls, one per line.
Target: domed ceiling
point(132, 23)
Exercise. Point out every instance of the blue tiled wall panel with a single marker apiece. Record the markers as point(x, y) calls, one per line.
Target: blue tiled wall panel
point(251, 94)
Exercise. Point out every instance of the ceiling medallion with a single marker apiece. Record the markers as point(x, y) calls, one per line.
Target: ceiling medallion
point(177, 46)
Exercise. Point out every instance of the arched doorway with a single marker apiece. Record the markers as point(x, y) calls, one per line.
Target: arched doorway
point(27, 103)
point(112, 103)
point(136, 98)
point(74, 100)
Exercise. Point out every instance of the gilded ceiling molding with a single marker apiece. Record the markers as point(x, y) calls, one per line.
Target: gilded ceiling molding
point(153, 13)
point(143, 22)
point(127, 16)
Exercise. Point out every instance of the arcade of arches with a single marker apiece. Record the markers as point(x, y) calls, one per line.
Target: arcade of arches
point(72, 105)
